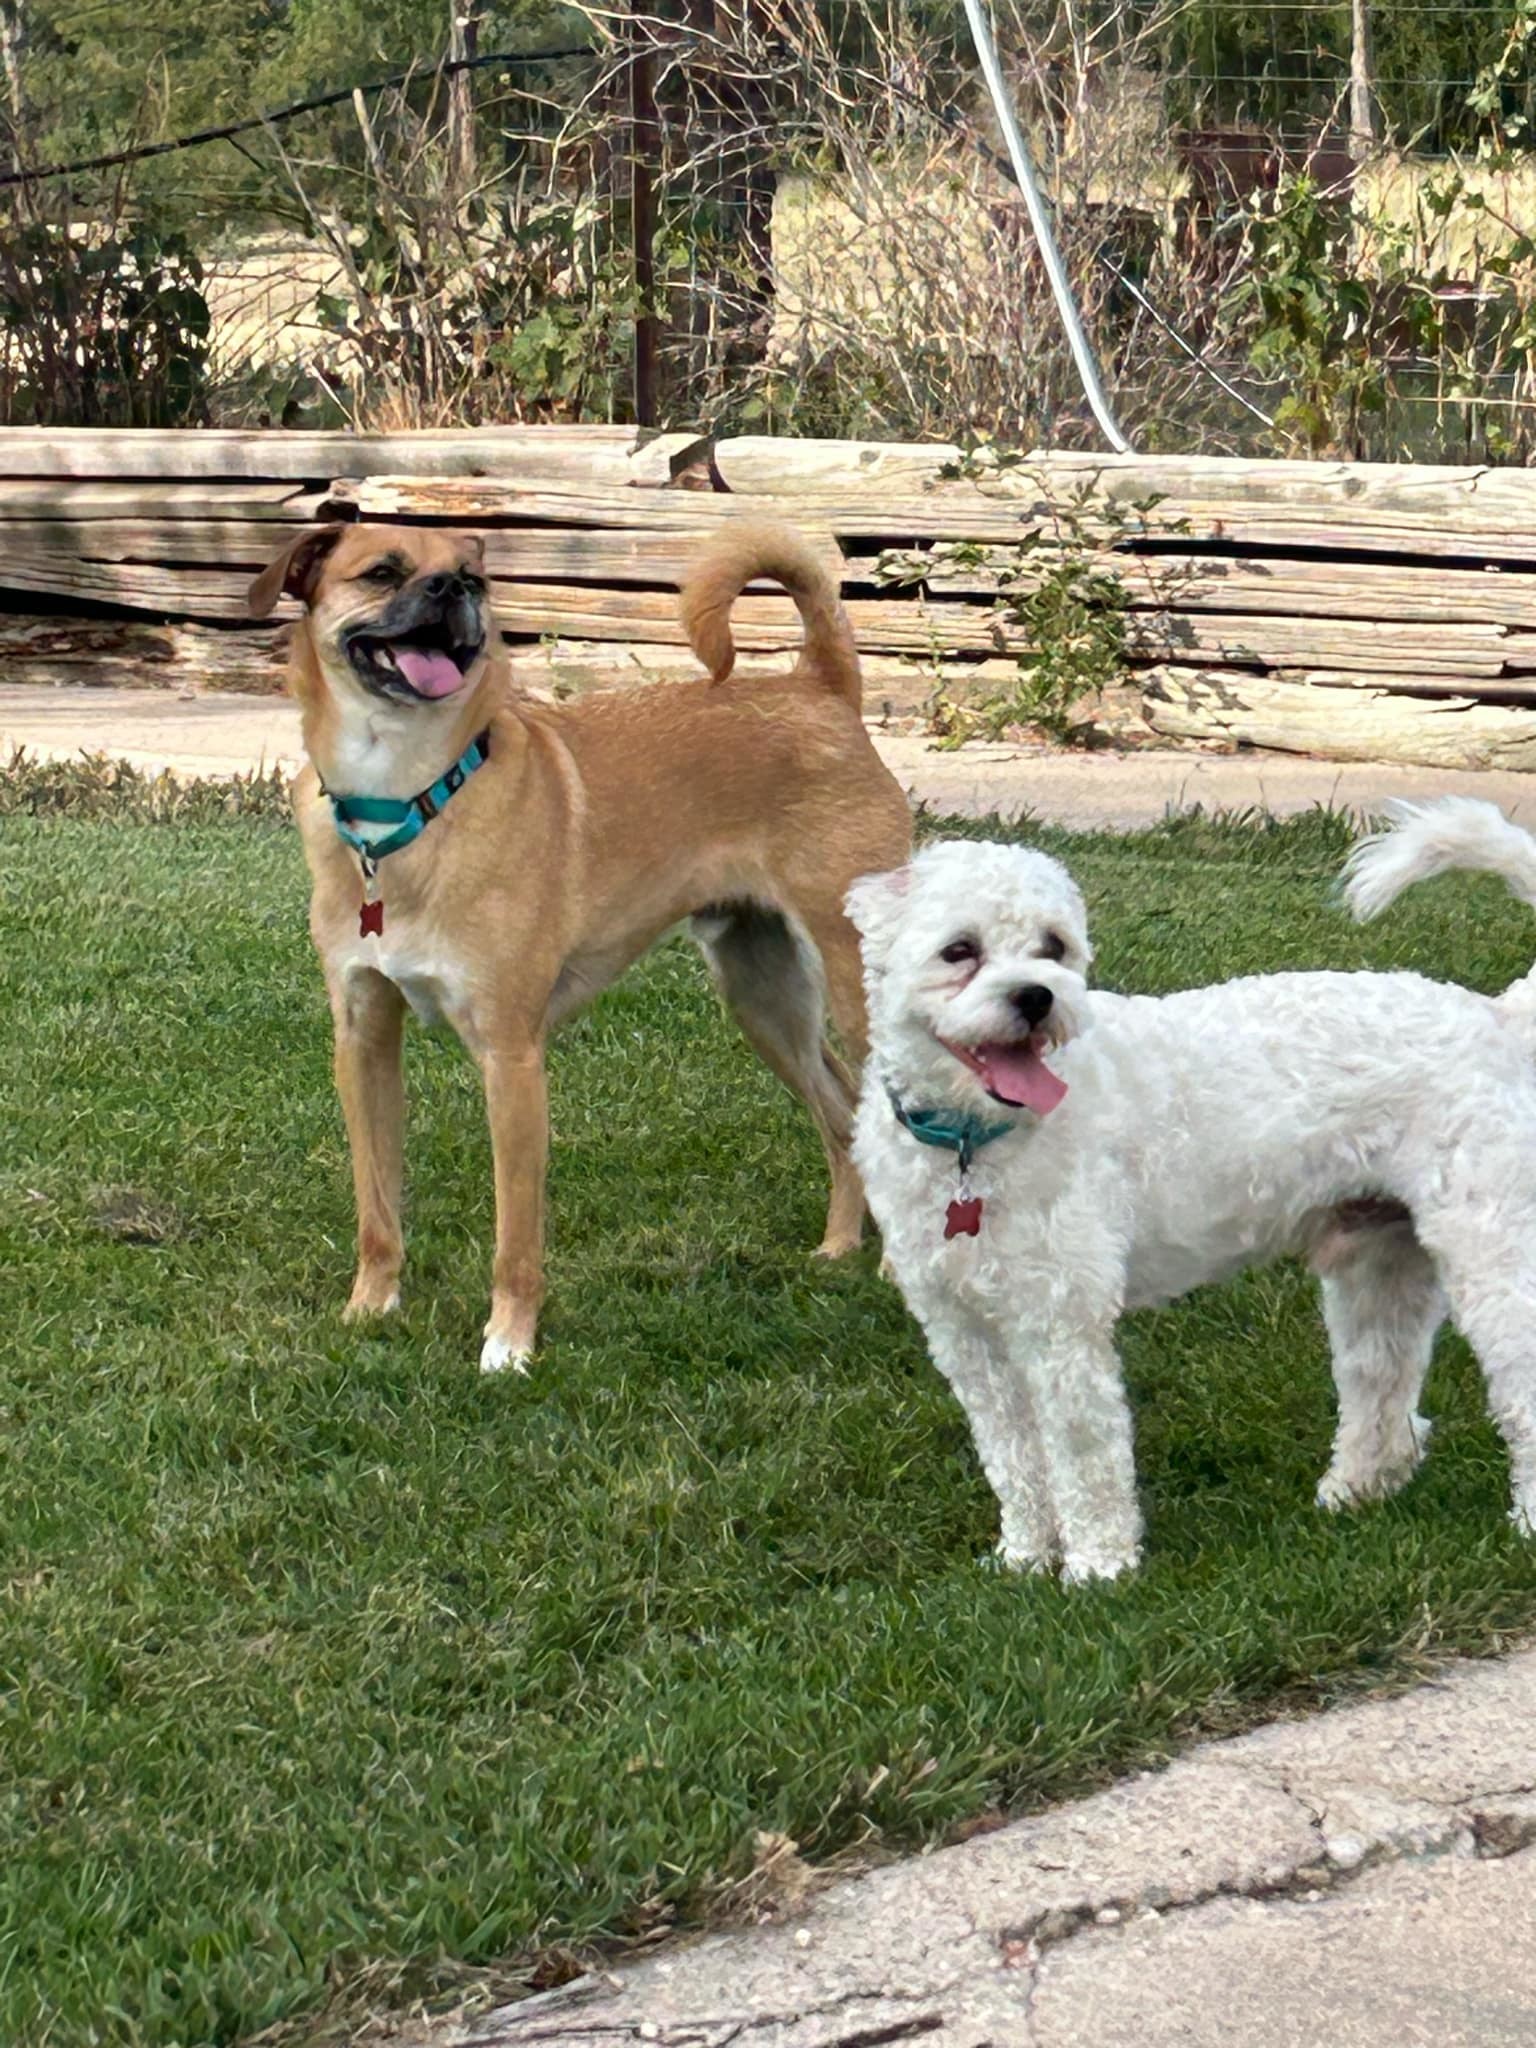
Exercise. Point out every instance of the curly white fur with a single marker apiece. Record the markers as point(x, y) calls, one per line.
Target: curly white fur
point(1384, 1124)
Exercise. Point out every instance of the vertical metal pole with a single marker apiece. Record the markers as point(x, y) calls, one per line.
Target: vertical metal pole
point(1040, 221)
point(645, 142)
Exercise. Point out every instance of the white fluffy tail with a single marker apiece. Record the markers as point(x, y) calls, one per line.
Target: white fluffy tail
point(1431, 838)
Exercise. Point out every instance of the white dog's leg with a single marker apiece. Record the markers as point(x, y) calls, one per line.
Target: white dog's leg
point(973, 1356)
point(1029, 1540)
point(1488, 1267)
point(1382, 1303)
point(1073, 1374)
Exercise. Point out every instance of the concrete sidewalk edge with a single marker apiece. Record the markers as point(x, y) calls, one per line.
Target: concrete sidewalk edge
point(1364, 1877)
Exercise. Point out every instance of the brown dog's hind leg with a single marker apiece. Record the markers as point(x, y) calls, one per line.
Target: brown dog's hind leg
point(369, 1014)
point(837, 945)
point(771, 981)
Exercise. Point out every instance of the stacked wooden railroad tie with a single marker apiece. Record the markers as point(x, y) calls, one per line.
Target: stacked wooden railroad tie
point(1355, 611)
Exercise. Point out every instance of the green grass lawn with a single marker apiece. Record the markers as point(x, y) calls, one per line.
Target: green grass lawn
point(319, 1652)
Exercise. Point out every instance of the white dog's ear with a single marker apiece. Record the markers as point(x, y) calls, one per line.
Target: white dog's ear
point(874, 905)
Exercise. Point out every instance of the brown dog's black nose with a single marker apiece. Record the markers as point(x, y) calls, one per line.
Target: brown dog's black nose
point(442, 586)
point(1033, 1003)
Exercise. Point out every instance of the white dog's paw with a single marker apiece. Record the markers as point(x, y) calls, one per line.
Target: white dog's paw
point(1081, 1567)
point(1523, 1515)
point(500, 1354)
point(1335, 1493)
point(1007, 1557)
point(1352, 1485)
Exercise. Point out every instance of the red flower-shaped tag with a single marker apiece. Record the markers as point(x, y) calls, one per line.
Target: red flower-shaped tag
point(370, 920)
point(963, 1218)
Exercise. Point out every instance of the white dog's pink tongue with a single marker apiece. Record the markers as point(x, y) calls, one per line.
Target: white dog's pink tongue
point(1018, 1075)
point(429, 673)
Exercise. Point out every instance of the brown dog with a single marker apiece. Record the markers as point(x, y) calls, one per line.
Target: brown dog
point(536, 876)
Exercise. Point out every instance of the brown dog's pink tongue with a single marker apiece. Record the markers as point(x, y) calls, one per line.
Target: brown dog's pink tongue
point(1018, 1075)
point(429, 673)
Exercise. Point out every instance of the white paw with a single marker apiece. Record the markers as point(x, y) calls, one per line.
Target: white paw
point(1080, 1567)
point(362, 1311)
point(1352, 1488)
point(500, 1354)
point(1523, 1515)
point(1005, 1558)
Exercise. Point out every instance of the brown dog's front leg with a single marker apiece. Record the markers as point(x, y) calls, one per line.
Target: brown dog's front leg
point(369, 1015)
point(517, 1102)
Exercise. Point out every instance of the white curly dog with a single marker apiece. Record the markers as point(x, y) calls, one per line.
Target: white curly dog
point(1041, 1156)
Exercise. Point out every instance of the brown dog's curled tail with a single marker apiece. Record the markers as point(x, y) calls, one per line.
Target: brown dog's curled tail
point(745, 550)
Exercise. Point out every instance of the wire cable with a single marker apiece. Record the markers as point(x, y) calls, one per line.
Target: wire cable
point(230, 129)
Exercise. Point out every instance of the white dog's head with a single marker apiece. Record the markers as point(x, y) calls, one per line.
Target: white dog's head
point(975, 959)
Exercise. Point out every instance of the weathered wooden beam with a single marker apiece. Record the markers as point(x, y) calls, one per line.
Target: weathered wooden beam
point(1474, 496)
point(177, 593)
point(68, 500)
point(1301, 587)
point(782, 465)
point(133, 654)
point(491, 501)
point(1474, 652)
point(1338, 724)
point(895, 686)
point(523, 552)
point(910, 625)
point(580, 453)
point(159, 543)
point(1513, 689)
point(1399, 508)
point(990, 513)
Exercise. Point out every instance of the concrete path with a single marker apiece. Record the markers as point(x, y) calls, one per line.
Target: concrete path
point(1365, 1879)
point(227, 735)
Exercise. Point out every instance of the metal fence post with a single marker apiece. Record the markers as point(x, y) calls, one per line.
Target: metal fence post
point(1040, 221)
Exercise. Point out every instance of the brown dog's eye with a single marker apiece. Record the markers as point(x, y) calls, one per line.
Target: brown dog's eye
point(959, 950)
point(1053, 947)
point(381, 572)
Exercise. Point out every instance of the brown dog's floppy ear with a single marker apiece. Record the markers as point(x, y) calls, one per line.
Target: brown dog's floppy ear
point(294, 572)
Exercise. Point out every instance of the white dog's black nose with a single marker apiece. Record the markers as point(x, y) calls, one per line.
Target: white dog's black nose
point(1033, 1003)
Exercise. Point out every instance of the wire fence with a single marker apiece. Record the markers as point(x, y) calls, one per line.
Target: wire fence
point(1290, 225)
point(1287, 65)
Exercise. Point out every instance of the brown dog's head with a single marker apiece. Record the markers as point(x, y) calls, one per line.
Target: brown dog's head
point(399, 612)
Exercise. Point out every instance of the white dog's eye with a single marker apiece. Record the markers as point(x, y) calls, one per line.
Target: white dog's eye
point(960, 949)
point(1053, 947)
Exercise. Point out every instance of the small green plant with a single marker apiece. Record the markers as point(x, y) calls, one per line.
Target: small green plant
point(1060, 607)
point(1504, 129)
point(1323, 323)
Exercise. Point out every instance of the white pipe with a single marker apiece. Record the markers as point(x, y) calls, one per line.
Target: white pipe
point(1040, 220)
